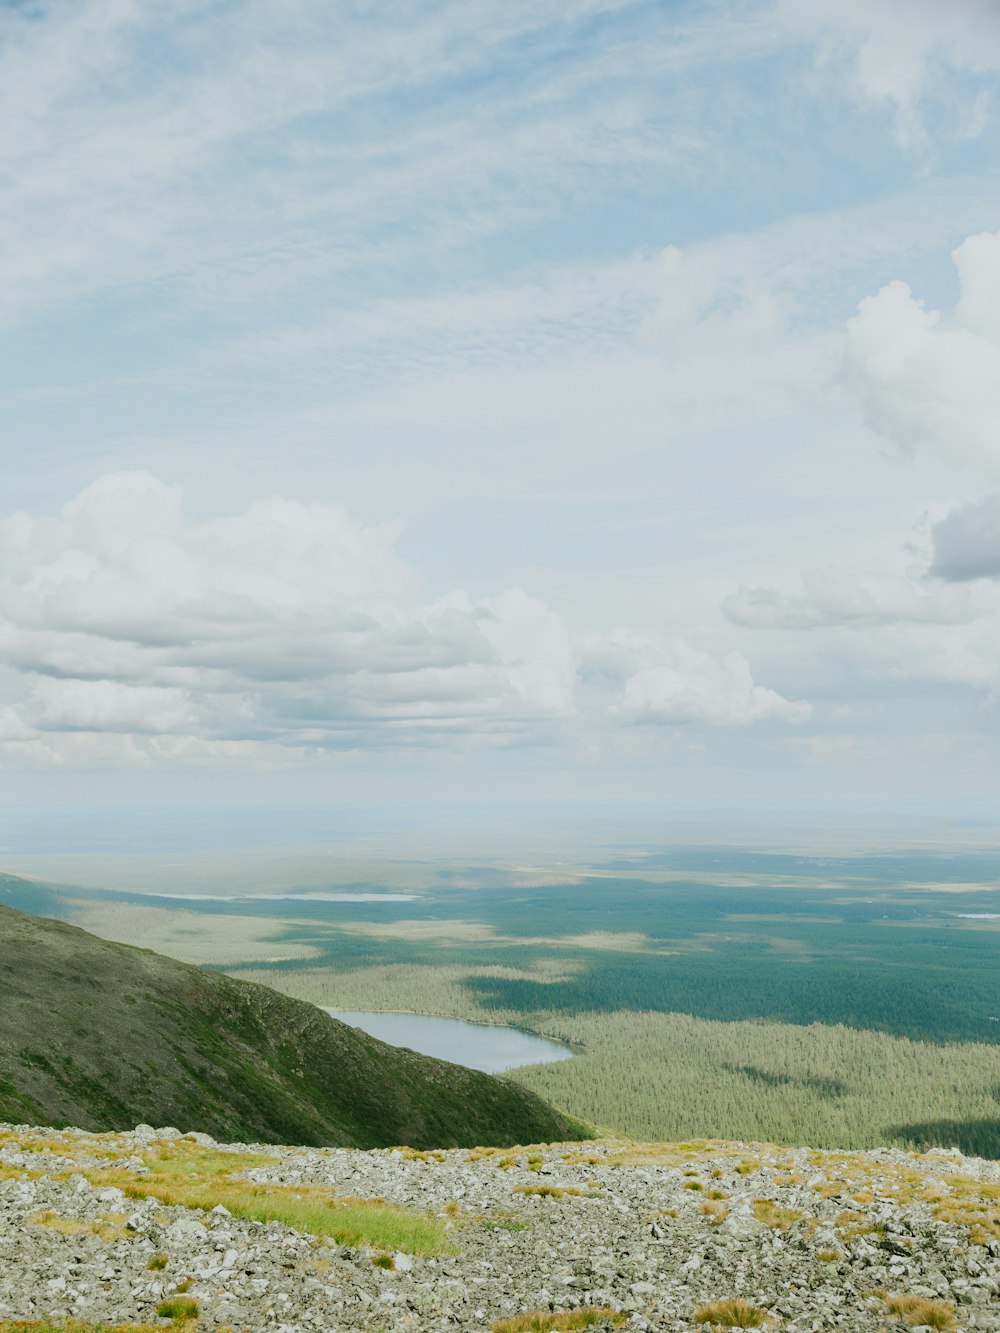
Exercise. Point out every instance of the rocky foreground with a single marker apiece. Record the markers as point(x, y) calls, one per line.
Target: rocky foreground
point(655, 1236)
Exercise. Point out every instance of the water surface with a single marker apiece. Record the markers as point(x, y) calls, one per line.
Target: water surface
point(476, 1045)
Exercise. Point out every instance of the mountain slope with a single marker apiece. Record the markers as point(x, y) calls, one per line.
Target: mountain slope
point(102, 1036)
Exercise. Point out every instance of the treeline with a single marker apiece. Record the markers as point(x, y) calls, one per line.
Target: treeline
point(668, 1076)
point(892, 991)
point(671, 1076)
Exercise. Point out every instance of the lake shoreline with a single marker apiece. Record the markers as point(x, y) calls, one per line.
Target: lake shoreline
point(499, 1047)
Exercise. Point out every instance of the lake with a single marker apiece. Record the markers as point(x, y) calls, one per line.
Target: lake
point(476, 1045)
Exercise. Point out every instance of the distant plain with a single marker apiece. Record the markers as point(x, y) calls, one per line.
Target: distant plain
point(844, 1001)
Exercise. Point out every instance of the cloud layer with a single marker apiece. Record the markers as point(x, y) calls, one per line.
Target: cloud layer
point(132, 633)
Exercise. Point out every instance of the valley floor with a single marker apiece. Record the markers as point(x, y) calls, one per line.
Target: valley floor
point(104, 1228)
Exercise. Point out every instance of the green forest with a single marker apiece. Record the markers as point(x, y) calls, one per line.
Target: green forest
point(669, 1076)
point(845, 1003)
point(708, 992)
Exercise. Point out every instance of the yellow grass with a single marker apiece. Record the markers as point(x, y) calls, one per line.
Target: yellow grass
point(731, 1314)
point(188, 1176)
point(110, 1227)
point(73, 1326)
point(559, 1321)
point(918, 1312)
point(550, 1191)
point(778, 1219)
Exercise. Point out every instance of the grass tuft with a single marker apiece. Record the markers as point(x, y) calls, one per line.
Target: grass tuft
point(109, 1227)
point(731, 1314)
point(919, 1312)
point(778, 1219)
point(180, 1308)
point(551, 1191)
point(557, 1321)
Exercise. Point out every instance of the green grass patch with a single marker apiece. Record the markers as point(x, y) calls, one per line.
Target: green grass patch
point(192, 1177)
point(180, 1308)
point(191, 1162)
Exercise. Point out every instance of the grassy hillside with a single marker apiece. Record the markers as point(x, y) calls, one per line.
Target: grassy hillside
point(102, 1036)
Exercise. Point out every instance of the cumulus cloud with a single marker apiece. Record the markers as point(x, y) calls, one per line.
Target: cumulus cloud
point(133, 635)
point(967, 542)
point(665, 679)
point(291, 625)
point(928, 380)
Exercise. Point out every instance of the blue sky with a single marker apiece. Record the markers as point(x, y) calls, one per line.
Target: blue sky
point(583, 401)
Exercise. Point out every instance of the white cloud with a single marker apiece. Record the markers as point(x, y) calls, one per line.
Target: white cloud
point(928, 608)
point(843, 596)
point(668, 680)
point(885, 626)
point(134, 636)
point(231, 149)
point(533, 643)
point(291, 624)
point(108, 705)
point(895, 46)
point(928, 380)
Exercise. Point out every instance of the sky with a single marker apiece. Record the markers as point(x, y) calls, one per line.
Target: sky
point(582, 404)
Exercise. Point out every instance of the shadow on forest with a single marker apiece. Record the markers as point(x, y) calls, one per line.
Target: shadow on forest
point(975, 1138)
point(828, 1087)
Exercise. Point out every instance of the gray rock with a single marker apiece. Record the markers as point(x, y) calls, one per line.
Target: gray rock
point(643, 1245)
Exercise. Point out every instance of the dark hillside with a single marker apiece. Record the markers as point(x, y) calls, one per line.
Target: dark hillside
point(103, 1036)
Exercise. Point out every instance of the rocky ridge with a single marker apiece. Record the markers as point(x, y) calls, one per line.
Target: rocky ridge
point(815, 1240)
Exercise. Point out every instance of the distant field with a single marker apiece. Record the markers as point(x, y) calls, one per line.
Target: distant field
point(825, 989)
point(907, 945)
